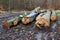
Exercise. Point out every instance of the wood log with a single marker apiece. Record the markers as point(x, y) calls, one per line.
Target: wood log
point(8, 23)
point(17, 20)
point(43, 19)
point(53, 15)
point(13, 21)
point(30, 17)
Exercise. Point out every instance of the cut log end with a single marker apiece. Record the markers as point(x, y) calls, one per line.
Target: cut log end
point(42, 23)
point(53, 18)
point(38, 18)
point(39, 24)
point(15, 23)
point(6, 25)
point(46, 23)
point(25, 20)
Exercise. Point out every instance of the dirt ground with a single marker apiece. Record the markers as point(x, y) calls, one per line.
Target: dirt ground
point(26, 32)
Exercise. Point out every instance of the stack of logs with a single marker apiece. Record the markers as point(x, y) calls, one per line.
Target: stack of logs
point(42, 18)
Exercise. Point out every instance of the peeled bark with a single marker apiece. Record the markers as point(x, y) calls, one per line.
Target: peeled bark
point(30, 17)
point(53, 15)
point(43, 20)
point(47, 18)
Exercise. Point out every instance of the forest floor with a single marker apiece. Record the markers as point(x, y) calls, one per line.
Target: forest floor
point(26, 32)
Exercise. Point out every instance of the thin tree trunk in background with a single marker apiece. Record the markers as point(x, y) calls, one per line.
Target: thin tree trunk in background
point(28, 4)
point(49, 2)
point(45, 4)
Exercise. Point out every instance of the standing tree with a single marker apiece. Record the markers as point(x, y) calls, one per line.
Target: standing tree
point(4, 3)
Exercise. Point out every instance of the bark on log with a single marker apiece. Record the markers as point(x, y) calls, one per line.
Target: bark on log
point(30, 17)
point(43, 20)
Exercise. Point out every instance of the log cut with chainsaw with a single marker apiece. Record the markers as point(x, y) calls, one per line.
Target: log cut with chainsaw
point(43, 20)
point(31, 16)
point(12, 22)
point(53, 15)
point(18, 19)
point(8, 23)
